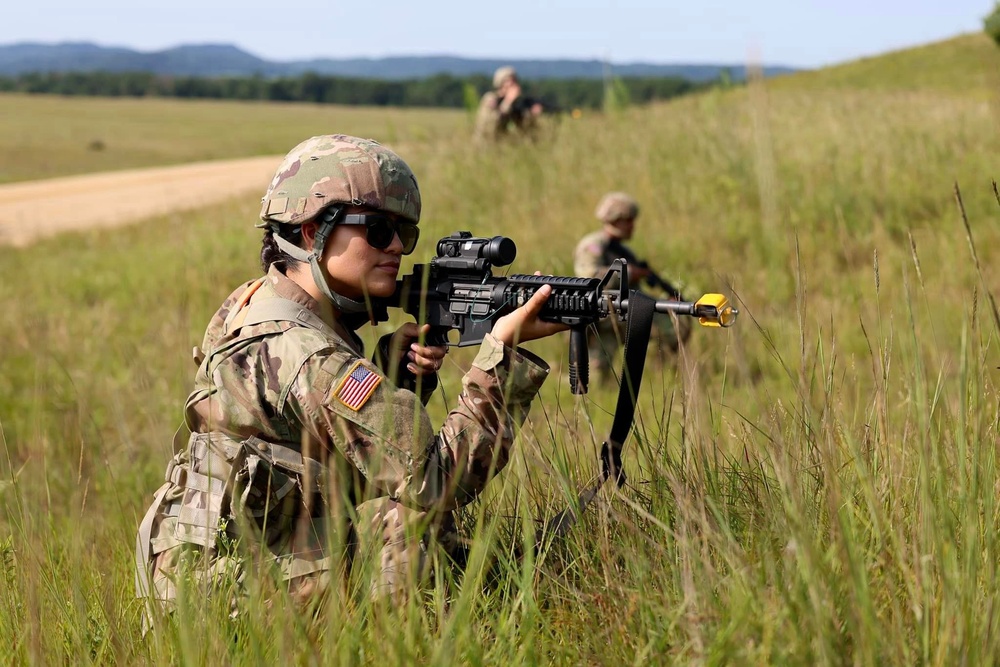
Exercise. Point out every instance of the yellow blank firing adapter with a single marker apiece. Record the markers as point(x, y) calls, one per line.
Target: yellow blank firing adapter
point(713, 310)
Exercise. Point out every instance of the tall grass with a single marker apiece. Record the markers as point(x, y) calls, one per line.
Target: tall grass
point(817, 485)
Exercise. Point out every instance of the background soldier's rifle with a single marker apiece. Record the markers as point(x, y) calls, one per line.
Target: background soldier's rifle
point(656, 281)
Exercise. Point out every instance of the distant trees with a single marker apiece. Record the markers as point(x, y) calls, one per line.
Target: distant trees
point(442, 90)
point(991, 24)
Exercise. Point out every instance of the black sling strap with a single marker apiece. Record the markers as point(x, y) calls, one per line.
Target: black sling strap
point(640, 322)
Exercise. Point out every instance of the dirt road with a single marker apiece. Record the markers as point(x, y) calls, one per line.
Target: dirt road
point(33, 210)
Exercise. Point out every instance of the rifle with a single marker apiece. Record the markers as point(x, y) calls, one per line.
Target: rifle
point(656, 281)
point(457, 291)
point(653, 279)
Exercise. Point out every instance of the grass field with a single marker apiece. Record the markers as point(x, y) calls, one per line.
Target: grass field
point(46, 136)
point(817, 485)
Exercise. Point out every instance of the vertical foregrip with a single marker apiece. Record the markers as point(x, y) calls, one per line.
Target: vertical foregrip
point(579, 364)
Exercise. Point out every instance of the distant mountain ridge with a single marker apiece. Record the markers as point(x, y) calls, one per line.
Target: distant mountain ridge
point(213, 60)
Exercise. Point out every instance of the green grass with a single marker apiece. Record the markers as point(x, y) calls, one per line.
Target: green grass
point(817, 485)
point(44, 136)
point(968, 64)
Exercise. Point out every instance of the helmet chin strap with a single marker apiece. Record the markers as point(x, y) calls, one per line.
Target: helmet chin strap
point(324, 228)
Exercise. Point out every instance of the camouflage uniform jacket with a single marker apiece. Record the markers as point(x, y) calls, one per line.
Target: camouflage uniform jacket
point(290, 384)
point(593, 257)
point(498, 117)
point(595, 252)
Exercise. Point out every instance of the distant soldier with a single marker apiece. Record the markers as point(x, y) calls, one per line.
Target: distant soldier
point(506, 110)
point(594, 254)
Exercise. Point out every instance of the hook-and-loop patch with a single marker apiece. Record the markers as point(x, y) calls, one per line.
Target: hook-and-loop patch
point(359, 385)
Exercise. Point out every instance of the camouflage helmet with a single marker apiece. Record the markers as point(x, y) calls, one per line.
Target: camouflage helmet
point(616, 206)
point(339, 169)
point(502, 74)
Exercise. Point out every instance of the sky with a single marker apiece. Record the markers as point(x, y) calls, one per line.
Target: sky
point(798, 33)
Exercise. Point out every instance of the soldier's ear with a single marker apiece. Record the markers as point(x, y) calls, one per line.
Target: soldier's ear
point(308, 235)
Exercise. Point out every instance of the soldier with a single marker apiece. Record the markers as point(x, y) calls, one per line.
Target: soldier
point(506, 110)
point(594, 254)
point(290, 428)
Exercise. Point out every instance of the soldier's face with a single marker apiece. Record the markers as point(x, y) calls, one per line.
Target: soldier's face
point(623, 228)
point(355, 268)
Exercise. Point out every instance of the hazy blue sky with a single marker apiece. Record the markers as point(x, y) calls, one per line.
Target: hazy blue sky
point(804, 33)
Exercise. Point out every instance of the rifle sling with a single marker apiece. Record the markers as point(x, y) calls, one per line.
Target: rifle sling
point(640, 322)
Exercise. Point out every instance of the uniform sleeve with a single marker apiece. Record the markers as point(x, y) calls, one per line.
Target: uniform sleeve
point(588, 259)
point(386, 433)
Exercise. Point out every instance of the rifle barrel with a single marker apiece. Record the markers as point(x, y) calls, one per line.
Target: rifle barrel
point(678, 307)
point(709, 314)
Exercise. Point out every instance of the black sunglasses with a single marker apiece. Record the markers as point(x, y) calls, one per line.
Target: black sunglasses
point(381, 228)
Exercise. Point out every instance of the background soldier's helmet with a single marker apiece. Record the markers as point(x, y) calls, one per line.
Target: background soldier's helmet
point(339, 169)
point(616, 206)
point(501, 75)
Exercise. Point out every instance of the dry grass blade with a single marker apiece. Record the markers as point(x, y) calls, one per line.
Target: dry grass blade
point(975, 255)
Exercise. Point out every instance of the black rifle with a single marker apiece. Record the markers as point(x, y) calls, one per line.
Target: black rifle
point(457, 291)
point(653, 279)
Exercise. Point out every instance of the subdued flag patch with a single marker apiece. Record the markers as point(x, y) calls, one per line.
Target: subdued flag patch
point(358, 386)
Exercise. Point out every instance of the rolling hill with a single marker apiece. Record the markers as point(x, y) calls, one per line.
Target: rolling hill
point(961, 64)
point(226, 60)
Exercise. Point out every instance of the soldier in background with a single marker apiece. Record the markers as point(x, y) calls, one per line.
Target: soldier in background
point(289, 429)
point(594, 254)
point(506, 110)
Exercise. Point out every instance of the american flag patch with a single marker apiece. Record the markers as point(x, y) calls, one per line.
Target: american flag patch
point(358, 386)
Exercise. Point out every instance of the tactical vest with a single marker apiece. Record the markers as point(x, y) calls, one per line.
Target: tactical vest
point(214, 478)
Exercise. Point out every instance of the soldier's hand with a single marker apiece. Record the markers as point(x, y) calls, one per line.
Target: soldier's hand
point(523, 324)
point(420, 359)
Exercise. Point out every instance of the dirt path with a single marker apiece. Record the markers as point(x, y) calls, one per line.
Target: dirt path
point(33, 210)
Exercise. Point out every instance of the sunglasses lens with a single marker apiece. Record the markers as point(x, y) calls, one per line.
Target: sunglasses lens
point(408, 235)
point(380, 232)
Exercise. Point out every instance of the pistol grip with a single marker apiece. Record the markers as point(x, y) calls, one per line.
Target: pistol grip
point(437, 337)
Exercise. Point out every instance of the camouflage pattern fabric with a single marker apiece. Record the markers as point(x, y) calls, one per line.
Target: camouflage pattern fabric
point(487, 127)
point(505, 117)
point(592, 258)
point(338, 168)
point(287, 442)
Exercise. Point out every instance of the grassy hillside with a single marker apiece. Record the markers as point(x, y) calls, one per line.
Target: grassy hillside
point(968, 64)
point(817, 485)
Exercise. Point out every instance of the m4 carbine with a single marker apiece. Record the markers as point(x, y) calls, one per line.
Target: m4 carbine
point(457, 291)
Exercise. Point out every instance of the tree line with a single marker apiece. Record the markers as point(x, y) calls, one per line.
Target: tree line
point(443, 90)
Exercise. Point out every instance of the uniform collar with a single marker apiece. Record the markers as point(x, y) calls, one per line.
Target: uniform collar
point(286, 288)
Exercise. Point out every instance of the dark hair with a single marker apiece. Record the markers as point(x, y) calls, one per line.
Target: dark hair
point(270, 253)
